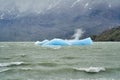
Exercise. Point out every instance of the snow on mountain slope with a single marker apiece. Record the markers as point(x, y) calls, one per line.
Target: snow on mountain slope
point(37, 19)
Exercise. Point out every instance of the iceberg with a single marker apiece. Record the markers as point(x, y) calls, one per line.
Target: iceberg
point(61, 42)
point(41, 43)
point(57, 42)
point(87, 41)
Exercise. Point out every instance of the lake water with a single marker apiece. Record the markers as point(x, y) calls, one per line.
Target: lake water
point(26, 61)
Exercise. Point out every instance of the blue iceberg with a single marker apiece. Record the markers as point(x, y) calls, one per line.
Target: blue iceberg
point(42, 42)
point(87, 41)
point(57, 42)
point(61, 42)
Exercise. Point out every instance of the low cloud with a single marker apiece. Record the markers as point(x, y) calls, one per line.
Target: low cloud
point(41, 5)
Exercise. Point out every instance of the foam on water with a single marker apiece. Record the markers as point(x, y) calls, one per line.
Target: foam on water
point(92, 69)
point(11, 64)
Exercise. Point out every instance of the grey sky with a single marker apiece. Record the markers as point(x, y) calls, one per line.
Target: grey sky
point(41, 5)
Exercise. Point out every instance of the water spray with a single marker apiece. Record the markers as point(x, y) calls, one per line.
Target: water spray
point(78, 34)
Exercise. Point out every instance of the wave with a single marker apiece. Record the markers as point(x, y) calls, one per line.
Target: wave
point(52, 47)
point(96, 69)
point(61, 69)
point(52, 66)
point(70, 57)
point(5, 58)
point(47, 64)
point(4, 46)
point(91, 69)
point(4, 70)
point(44, 64)
point(11, 64)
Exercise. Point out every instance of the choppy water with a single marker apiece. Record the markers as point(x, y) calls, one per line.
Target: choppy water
point(26, 61)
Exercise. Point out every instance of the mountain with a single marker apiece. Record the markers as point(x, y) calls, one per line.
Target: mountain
point(50, 19)
point(108, 35)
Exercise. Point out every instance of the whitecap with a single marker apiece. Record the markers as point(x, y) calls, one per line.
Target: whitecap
point(91, 69)
point(10, 64)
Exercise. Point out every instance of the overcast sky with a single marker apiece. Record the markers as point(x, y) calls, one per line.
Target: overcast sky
point(40, 5)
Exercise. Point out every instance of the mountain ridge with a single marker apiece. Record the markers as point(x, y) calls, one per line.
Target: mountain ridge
point(108, 35)
point(60, 21)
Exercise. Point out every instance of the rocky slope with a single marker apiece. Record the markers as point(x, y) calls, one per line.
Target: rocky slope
point(108, 35)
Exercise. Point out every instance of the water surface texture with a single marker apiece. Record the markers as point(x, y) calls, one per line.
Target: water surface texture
point(26, 61)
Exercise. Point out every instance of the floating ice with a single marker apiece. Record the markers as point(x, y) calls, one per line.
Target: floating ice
point(61, 42)
point(57, 42)
point(86, 41)
point(41, 43)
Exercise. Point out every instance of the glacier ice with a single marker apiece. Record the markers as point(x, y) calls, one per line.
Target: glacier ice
point(87, 41)
point(57, 42)
point(61, 42)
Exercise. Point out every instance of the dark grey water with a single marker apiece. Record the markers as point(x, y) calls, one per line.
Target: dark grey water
point(26, 61)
